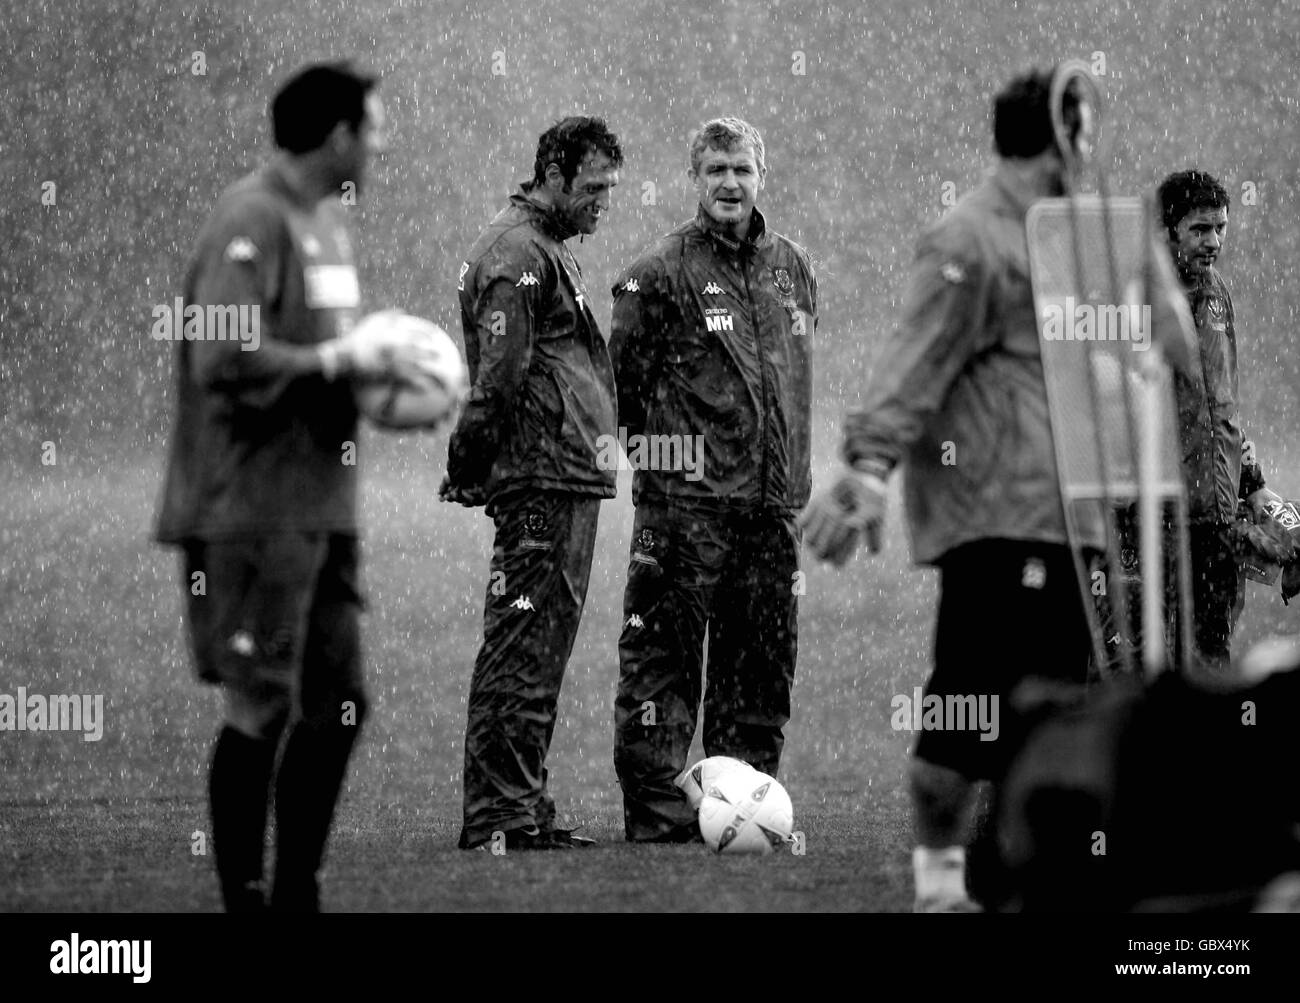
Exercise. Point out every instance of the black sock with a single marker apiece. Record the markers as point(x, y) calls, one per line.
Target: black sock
point(307, 788)
point(239, 782)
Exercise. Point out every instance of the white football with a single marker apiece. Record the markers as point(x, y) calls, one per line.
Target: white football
point(435, 393)
point(746, 813)
point(697, 779)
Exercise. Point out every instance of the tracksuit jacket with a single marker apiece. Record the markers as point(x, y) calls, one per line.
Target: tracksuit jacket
point(543, 385)
point(1209, 419)
point(713, 337)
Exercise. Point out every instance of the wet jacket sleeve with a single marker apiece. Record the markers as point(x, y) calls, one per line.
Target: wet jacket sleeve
point(806, 264)
point(1225, 410)
point(812, 286)
point(241, 261)
point(941, 328)
point(1252, 473)
point(636, 339)
point(507, 312)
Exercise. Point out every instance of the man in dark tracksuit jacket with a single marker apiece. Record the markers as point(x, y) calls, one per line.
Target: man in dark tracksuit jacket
point(712, 338)
point(526, 446)
point(1194, 210)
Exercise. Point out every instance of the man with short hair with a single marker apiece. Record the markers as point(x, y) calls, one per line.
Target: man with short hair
point(1194, 212)
point(526, 447)
point(259, 492)
point(961, 379)
point(712, 342)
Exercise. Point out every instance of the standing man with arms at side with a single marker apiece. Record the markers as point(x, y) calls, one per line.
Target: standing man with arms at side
point(1194, 212)
point(712, 342)
point(526, 446)
point(258, 492)
point(958, 397)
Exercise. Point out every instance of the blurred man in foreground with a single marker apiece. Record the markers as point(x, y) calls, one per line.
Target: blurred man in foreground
point(259, 492)
point(958, 396)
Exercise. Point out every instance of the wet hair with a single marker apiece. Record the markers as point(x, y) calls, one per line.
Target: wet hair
point(1186, 192)
point(306, 109)
point(569, 141)
point(1022, 118)
point(727, 134)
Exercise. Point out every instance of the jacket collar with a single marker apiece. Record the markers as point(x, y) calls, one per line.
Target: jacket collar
point(1203, 286)
point(279, 180)
point(756, 237)
point(548, 219)
point(1012, 191)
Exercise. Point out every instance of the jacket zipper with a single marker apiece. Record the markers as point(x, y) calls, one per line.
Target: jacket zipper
point(762, 379)
point(1210, 423)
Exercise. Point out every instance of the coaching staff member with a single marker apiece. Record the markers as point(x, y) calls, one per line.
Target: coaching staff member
point(1194, 211)
point(1219, 466)
point(257, 492)
point(712, 344)
point(964, 368)
point(526, 446)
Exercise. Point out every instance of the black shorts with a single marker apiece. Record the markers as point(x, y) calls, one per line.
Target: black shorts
point(1008, 610)
point(266, 606)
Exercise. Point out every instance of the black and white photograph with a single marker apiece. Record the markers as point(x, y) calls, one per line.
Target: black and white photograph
point(828, 461)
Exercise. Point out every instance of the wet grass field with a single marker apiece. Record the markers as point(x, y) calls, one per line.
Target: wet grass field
point(90, 606)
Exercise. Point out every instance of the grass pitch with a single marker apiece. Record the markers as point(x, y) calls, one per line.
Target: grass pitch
point(91, 606)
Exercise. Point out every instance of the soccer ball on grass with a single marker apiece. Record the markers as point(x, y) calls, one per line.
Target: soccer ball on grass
point(740, 809)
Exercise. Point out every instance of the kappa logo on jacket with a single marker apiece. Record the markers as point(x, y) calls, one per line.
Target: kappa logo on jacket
point(712, 289)
point(241, 249)
point(528, 279)
point(523, 602)
point(631, 286)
